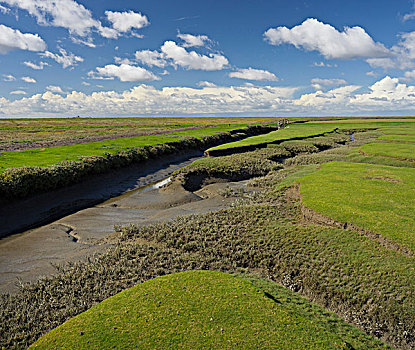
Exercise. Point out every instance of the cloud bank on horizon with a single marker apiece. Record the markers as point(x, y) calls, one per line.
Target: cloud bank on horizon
point(63, 58)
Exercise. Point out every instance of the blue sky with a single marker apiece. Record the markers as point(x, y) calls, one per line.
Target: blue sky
point(125, 58)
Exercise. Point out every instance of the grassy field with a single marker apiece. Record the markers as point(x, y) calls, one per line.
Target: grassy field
point(362, 278)
point(353, 153)
point(204, 309)
point(22, 133)
point(399, 137)
point(53, 155)
point(390, 149)
point(373, 197)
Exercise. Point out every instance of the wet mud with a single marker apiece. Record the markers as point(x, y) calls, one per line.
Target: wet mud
point(34, 254)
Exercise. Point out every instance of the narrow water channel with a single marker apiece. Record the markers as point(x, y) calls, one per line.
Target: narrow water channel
point(28, 255)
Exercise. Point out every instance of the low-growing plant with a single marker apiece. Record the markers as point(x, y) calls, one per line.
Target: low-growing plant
point(296, 147)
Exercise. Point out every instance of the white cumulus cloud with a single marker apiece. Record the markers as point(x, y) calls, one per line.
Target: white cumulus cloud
point(125, 21)
point(387, 93)
point(34, 65)
point(253, 74)
point(77, 19)
point(124, 72)
point(64, 58)
point(59, 13)
point(193, 40)
point(402, 55)
point(28, 80)
point(386, 96)
point(55, 89)
point(13, 39)
point(18, 92)
point(148, 100)
point(313, 35)
point(193, 60)
point(206, 84)
point(337, 99)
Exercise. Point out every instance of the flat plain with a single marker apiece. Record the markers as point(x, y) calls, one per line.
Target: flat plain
point(319, 234)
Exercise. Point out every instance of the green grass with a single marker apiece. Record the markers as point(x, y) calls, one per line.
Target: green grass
point(408, 130)
point(53, 155)
point(390, 149)
point(374, 197)
point(352, 153)
point(293, 131)
point(341, 270)
point(19, 134)
point(202, 309)
point(360, 278)
point(312, 128)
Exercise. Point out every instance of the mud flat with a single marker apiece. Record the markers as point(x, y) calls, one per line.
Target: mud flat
point(34, 254)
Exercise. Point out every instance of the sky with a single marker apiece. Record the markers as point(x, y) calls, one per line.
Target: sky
point(63, 58)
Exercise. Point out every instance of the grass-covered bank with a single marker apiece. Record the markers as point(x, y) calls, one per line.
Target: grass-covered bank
point(246, 165)
point(22, 134)
point(292, 132)
point(206, 309)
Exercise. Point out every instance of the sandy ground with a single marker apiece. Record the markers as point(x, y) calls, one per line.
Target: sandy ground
point(31, 255)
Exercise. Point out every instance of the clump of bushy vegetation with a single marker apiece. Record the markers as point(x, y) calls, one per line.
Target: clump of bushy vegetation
point(234, 167)
point(296, 147)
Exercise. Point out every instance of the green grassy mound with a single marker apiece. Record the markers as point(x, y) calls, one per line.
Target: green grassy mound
point(313, 128)
point(374, 197)
point(203, 309)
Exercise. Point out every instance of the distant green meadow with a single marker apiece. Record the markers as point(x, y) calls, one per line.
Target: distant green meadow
point(288, 133)
point(391, 149)
point(54, 155)
point(313, 128)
